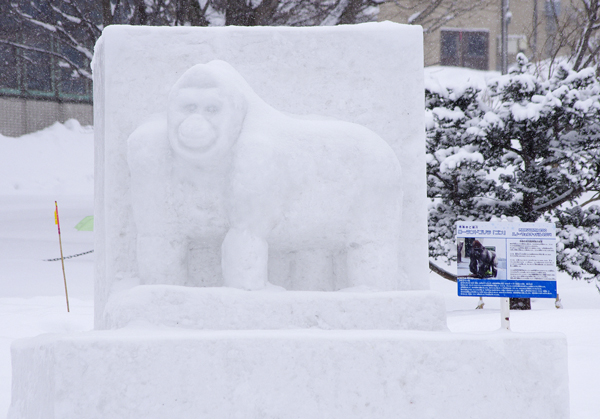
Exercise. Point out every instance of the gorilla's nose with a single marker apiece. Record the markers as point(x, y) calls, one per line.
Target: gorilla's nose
point(197, 133)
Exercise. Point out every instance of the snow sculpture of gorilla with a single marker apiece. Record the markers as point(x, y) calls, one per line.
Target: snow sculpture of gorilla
point(227, 172)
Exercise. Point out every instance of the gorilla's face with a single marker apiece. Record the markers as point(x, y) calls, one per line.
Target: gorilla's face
point(202, 120)
point(198, 115)
point(477, 251)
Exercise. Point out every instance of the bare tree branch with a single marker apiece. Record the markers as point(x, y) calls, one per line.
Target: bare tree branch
point(434, 14)
point(72, 27)
point(72, 65)
point(594, 198)
point(442, 272)
point(577, 34)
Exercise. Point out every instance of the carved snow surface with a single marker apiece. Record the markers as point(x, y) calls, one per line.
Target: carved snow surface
point(299, 201)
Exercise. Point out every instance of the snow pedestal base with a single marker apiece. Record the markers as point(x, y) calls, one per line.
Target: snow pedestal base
point(222, 308)
point(169, 373)
point(179, 352)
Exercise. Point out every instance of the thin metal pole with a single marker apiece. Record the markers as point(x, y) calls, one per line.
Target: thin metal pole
point(504, 35)
point(505, 313)
point(535, 30)
point(62, 259)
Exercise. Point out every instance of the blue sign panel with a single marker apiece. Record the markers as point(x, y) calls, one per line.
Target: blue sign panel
point(468, 287)
point(503, 259)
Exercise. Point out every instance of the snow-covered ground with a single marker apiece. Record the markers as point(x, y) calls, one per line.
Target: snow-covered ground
point(57, 164)
point(457, 77)
point(35, 170)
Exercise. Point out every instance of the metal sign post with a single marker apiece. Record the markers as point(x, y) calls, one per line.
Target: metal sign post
point(505, 313)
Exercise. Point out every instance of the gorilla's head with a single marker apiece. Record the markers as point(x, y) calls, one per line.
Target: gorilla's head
point(477, 249)
point(205, 114)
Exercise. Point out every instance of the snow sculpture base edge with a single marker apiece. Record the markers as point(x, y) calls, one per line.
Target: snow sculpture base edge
point(223, 308)
point(289, 374)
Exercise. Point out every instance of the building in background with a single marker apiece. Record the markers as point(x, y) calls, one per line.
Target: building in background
point(37, 89)
point(473, 39)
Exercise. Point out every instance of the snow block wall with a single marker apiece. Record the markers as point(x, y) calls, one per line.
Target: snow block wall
point(289, 374)
point(367, 74)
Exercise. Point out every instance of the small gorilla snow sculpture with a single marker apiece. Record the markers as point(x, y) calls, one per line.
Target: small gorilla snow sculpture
point(484, 263)
point(225, 171)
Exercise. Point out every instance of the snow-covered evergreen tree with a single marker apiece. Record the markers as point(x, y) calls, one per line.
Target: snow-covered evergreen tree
point(524, 147)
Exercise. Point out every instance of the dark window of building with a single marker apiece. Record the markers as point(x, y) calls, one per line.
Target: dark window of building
point(450, 48)
point(476, 46)
point(465, 48)
point(9, 75)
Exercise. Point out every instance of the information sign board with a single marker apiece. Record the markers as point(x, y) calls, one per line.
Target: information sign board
point(504, 259)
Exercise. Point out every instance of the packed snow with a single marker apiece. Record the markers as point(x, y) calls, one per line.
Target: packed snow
point(320, 83)
point(56, 165)
point(438, 78)
point(251, 185)
point(43, 161)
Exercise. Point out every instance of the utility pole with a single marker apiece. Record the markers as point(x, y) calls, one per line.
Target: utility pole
point(535, 30)
point(504, 16)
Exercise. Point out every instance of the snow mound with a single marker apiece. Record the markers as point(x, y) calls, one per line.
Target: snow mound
point(457, 79)
point(56, 160)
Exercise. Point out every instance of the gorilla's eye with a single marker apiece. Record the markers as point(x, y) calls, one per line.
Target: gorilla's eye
point(212, 109)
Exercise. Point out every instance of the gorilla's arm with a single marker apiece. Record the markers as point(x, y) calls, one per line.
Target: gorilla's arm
point(473, 265)
point(148, 156)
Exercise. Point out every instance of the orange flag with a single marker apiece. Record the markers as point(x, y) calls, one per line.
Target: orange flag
point(62, 259)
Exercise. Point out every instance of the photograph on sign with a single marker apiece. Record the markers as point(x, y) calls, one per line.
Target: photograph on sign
point(480, 257)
